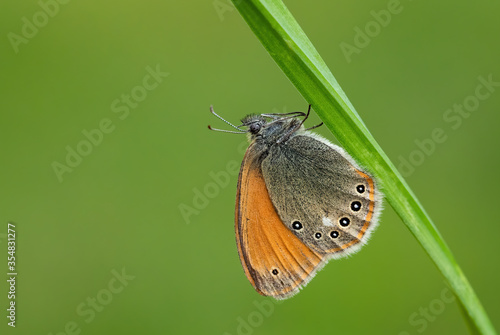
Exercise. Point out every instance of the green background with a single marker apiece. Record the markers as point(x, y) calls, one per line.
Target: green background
point(119, 208)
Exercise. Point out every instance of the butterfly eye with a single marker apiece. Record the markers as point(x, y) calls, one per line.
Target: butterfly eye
point(360, 188)
point(255, 128)
point(334, 234)
point(317, 235)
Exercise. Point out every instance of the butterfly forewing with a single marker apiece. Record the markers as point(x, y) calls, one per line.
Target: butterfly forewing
point(275, 261)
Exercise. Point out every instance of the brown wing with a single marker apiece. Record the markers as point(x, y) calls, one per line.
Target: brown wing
point(275, 261)
point(317, 185)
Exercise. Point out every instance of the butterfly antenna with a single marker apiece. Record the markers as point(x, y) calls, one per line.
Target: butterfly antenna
point(227, 131)
point(294, 129)
point(294, 114)
point(229, 123)
point(307, 115)
point(281, 119)
point(316, 126)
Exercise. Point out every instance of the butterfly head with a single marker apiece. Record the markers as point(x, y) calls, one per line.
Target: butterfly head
point(269, 127)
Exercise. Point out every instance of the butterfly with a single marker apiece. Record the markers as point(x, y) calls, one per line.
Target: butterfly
point(300, 202)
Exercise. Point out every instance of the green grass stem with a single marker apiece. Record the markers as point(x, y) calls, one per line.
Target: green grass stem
point(288, 45)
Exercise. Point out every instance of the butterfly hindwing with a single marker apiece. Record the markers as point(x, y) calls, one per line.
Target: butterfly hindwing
point(320, 195)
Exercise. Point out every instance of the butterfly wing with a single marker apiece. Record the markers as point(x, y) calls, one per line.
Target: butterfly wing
point(275, 261)
point(320, 194)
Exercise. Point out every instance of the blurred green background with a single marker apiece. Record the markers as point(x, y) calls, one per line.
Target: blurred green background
point(103, 246)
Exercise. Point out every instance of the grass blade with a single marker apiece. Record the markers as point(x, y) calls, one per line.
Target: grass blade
point(288, 45)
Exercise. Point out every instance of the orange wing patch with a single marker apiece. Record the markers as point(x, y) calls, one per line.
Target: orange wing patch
point(275, 261)
point(371, 196)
